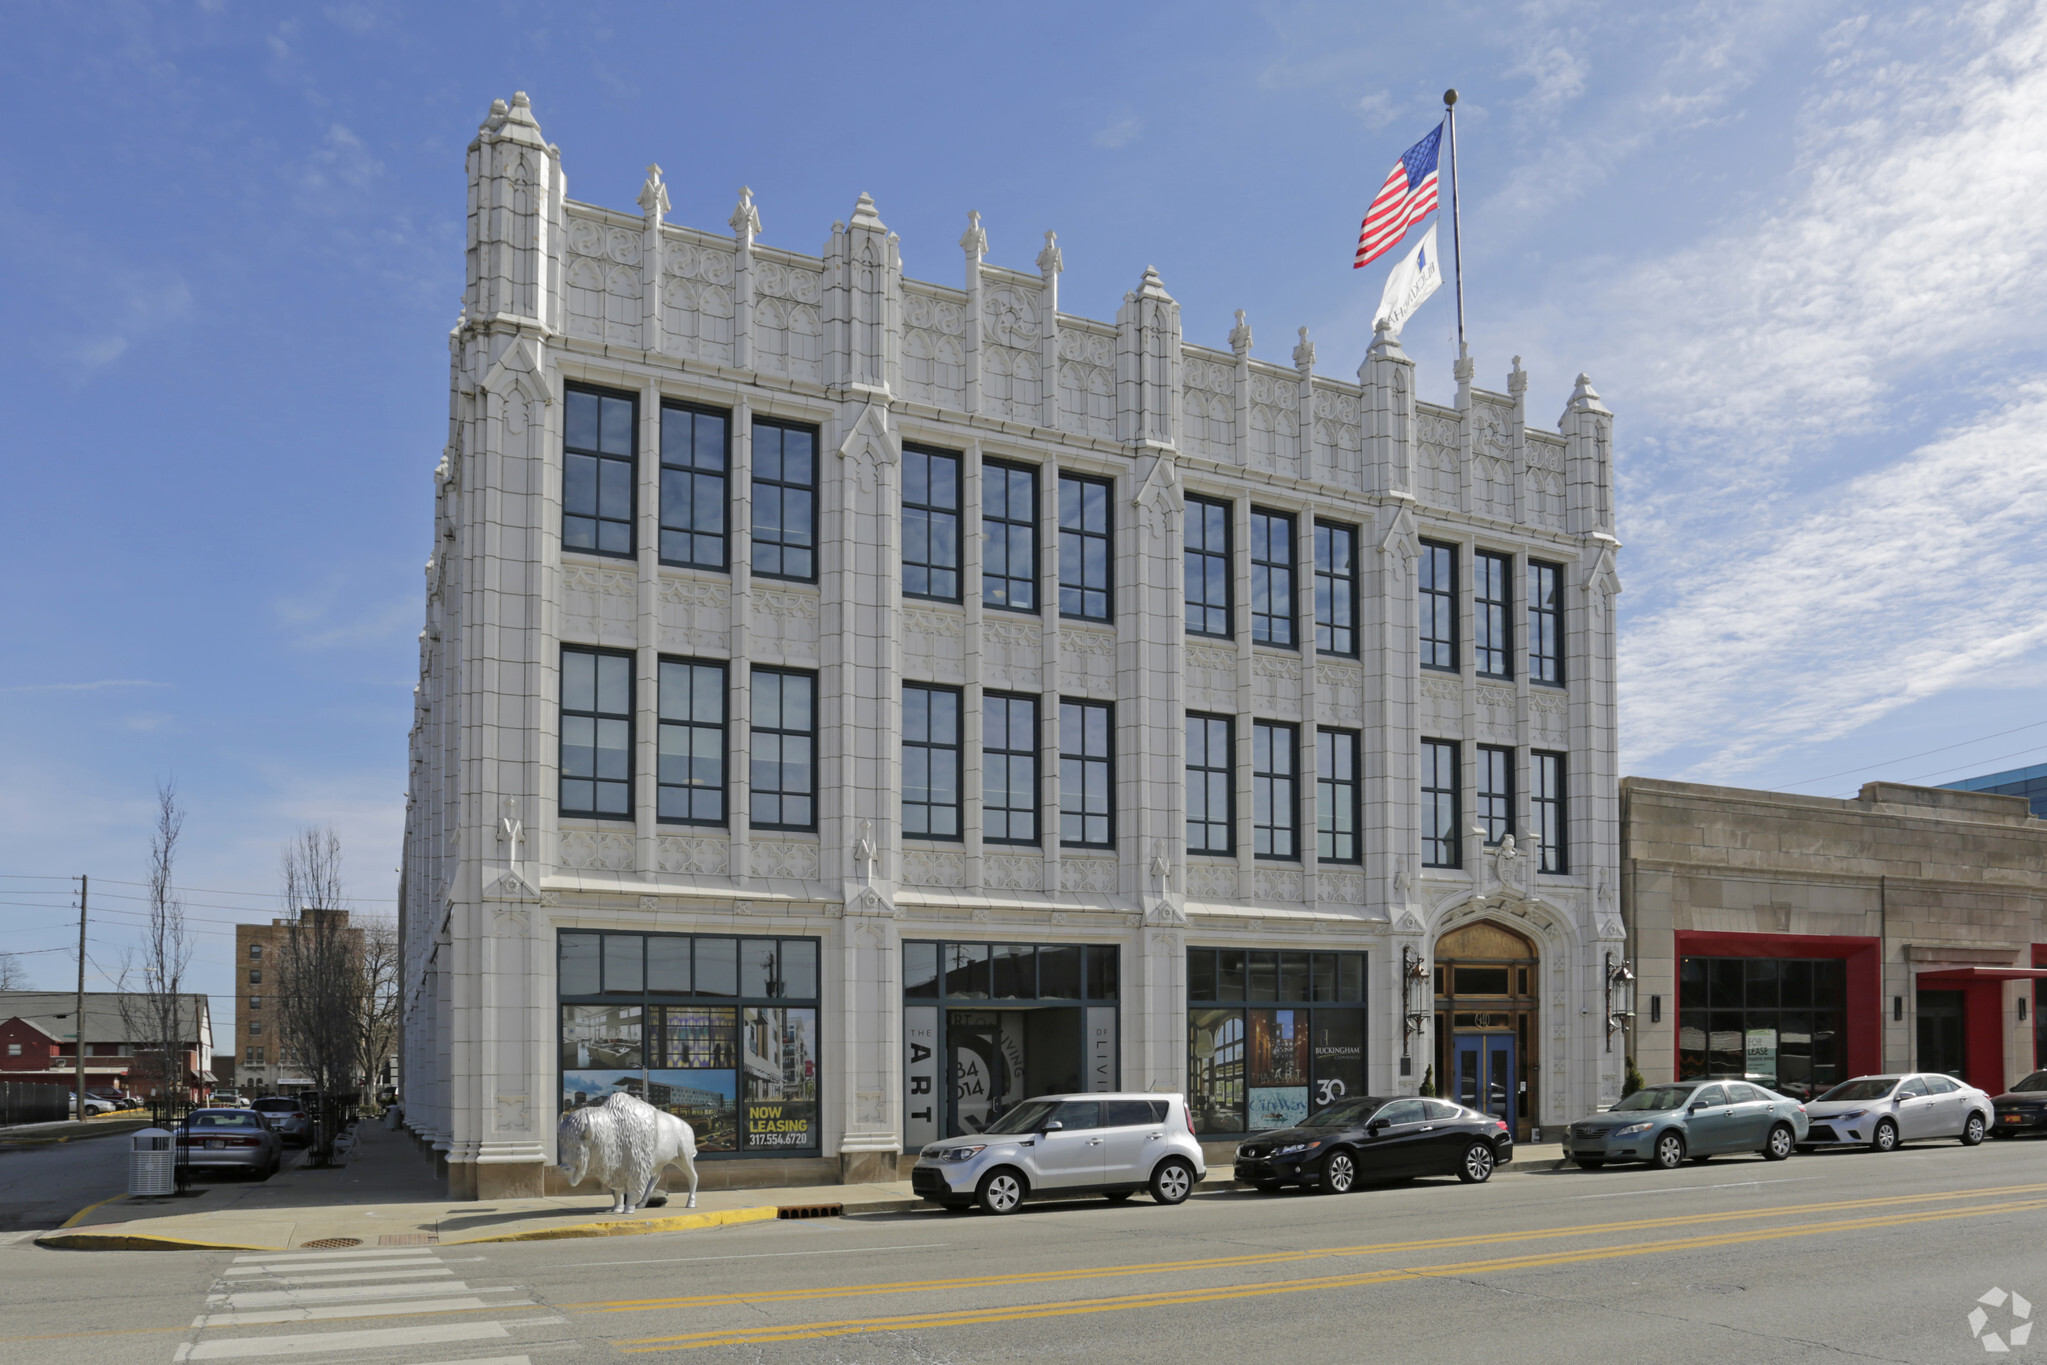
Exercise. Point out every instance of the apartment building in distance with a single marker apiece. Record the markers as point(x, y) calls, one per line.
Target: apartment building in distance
point(850, 704)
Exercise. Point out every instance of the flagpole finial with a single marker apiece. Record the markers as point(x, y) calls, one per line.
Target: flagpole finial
point(1449, 97)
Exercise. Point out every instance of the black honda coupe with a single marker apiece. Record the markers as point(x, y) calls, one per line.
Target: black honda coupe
point(1371, 1138)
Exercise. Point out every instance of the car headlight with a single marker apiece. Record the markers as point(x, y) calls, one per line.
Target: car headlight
point(1295, 1148)
point(1849, 1116)
point(1632, 1129)
point(961, 1153)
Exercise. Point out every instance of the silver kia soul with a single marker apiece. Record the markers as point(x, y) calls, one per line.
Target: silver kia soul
point(1067, 1144)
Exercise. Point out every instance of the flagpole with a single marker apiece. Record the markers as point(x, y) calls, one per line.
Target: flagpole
point(1456, 218)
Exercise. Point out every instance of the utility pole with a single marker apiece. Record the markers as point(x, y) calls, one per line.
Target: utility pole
point(78, 1016)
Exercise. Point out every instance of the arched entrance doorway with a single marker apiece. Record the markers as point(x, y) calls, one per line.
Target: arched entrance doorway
point(1487, 1039)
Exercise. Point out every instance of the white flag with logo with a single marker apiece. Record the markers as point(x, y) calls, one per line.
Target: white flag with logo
point(1410, 284)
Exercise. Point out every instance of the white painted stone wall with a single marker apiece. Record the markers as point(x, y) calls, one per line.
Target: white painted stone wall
point(563, 291)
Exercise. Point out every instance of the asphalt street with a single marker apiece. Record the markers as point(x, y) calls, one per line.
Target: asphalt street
point(43, 1184)
point(1838, 1256)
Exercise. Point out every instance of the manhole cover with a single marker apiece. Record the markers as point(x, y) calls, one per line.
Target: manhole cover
point(331, 1243)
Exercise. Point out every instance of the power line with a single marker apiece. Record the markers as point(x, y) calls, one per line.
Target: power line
point(1814, 781)
point(2003, 758)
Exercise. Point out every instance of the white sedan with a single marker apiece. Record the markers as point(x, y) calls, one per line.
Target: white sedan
point(1879, 1112)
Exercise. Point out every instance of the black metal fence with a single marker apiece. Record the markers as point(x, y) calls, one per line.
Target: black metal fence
point(169, 1112)
point(33, 1102)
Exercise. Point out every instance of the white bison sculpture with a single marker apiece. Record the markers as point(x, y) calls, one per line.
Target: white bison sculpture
point(626, 1144)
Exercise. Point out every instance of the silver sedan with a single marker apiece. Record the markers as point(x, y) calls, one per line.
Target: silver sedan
point(229, 1140)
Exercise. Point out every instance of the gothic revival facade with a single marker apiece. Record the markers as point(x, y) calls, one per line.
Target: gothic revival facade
point(850, 704)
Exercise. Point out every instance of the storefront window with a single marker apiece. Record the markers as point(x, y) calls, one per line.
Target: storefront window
point(1272, 1036)
point(989, 1025)
point(743, 1071)
point(1780, 1022)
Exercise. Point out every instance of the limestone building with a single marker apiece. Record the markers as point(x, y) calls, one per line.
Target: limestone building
point(850, 704)
point(1805, 940)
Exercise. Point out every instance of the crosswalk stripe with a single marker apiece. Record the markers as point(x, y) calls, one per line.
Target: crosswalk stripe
point(384, 1310)
point(284, 1267)
point(368, 1339)
point(339, 1253)
point(349, 1293)
point(339, 1276)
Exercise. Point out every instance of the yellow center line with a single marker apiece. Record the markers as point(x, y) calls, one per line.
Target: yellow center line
point(1289, 1257)
point(1176, 1298)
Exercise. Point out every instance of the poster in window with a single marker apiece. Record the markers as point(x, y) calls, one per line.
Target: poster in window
point(1761, 1053)
point(920, 1075)
point(704, 1099)
point(696, 1038)
point(1278, 1091)
point(582, 1088)
point(778, 1060)
point(1101, 1048)
point(601, 1037)
point(1277, 1106)
point(1215, 1069)
point(1339, 1054)
point(987, 1065)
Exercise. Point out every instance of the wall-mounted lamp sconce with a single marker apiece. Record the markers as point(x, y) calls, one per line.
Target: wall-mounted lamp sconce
point(1620, 997)
point(1655, 1009)
point(1414, 1001)
point(1898, 1008)
point(2022, 1009)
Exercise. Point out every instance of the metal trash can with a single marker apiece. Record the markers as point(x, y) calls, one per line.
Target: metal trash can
point(153, 1163)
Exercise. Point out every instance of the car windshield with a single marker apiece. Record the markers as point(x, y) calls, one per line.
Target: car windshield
point(1025, 1118)
point(2036, 1081)
point(276, 1106)
point(1655, 1098)
point(1347, 1114)
point(1872, 1088)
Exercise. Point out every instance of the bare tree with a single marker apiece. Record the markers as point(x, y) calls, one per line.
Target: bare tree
point(159, 1021)
point(319, 978)
point(13, 976)
point(376, 1029)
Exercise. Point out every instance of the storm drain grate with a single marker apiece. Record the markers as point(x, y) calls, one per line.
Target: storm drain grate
point(810, 1210)
point(409, 1239)
point(330, 1243)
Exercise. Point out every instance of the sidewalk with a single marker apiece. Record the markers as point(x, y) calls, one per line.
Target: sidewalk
point(387, 1195)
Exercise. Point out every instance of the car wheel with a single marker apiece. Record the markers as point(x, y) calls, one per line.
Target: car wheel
point(1000, 1192)
point(1339, 1172)
point(1172, 1182)
point(1477, 1166)
point(1670, 1151)
point(1782, 1142)
point(1590, 1163)
point(1885, 1139)
point(1118, 1196)
point(1973, 1130)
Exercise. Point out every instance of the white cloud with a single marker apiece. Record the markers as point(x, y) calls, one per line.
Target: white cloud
point(1118, 134)
point(1377, 109)
point(145, 302)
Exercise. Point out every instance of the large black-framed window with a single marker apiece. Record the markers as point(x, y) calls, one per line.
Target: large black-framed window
point(1086, 550)
point(784, 500)
point(1442, 844)
point(1550, 809)
point(1275, 809)
point(1492, 613)
point(1087, 773)
point(600, 443)
point(1272, 578)
point(1272, 1036)
point(597, 733)
point(931, 523)
point(1211, 785)
point(1207, 555)
point(1495, 792)
point(782, 781)
point(696, 452)
point(1336, 589)
point(690, 772)
point(988, 1025)
point(931, 761)
point(1782, 1021)
point(720, 1031)
point(1338, 803)
point(1545, 623)
point(1009, 768)
point(1438, 605)
point(1009, 535)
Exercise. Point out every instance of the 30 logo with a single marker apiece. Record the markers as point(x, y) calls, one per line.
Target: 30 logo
point(2016, 1331)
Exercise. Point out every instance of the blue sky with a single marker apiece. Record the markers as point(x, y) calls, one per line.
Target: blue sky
point(1797, 246)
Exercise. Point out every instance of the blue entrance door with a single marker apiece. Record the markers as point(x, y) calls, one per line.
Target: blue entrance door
point(1484, 1076)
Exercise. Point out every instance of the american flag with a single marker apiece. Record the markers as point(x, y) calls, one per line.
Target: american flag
point(1407, 197)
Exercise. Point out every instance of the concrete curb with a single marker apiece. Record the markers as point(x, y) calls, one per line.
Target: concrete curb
point(137, 1241)
point(620, 1228)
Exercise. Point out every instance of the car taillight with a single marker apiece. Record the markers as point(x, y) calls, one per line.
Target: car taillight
point(298, 1113)
point(1187, 1112)
point(1500, 1124)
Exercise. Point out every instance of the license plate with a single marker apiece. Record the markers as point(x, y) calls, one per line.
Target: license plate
point(215, 1144)
point(2014, 1118)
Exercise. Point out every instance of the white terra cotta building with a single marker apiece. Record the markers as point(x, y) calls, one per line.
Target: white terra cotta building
point(750, 777)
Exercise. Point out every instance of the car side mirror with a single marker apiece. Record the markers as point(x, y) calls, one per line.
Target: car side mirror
point(1376, 1126)
point(1054, 1126)
point(1697, 1108)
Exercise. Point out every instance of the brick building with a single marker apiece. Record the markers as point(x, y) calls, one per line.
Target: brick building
point(38, 1040)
